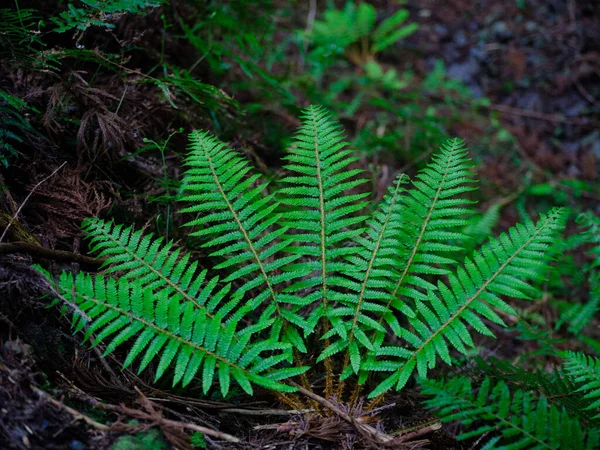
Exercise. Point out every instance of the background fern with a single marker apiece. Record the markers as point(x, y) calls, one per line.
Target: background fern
point(586, 372)
point(518, 419)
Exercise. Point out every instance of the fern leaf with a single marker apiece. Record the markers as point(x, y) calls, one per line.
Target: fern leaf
point(521, 420)
point(499, 268)
point(150, 261)
point(170, 332)
point(586, 372)
point(559, 388)
point(435, 209)
point(371, 262)
point(243, 223)
point(320, 217)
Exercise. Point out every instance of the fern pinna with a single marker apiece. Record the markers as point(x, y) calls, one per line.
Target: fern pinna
point(309, 276)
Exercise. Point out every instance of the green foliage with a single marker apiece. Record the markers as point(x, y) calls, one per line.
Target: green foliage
point(301, 259)
point(508, 420)
point(19, 31)
point(14, 127)
point(99, 13)
point(586, 372)
point(354, 26)
point(578, 313)
point(557, 386)
point(197, 440)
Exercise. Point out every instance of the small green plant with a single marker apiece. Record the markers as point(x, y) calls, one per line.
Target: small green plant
point(100, 13)
point(311, 286)
point(197, 440)
point(14, 127)
point(352, 32)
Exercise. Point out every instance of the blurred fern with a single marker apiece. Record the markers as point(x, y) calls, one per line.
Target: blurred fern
point(14, 127)
point(508, 420)
point(586, 372)
point(100, 13)
point(352, 31)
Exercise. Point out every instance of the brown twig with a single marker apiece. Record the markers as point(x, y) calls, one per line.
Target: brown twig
point(156, 417)
point(35, 251)
point(73, 412)
point(361, 428)
point(266, 412)
point(27, 198)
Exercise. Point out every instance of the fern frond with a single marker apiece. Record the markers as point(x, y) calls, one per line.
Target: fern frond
point(99, 13)
point(590, 223)
point(499, 268)
point(321, 218)
point(558, 387)
point(586, 372)
point(150, 261)
point(371, 263)
point(436, 211)
point(174, 333)
point(519, 420)
point(235, 215)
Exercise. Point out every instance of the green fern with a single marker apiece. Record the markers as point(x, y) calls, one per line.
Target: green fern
point(14, 127)
point(99, 13)
point(558, 387)
point(511, 420)
point(586, 372)
point(300, 260)
point(578, 315)
point(471, 293)
point(355, 24)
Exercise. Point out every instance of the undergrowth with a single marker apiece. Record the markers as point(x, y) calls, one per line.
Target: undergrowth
point(321, 292)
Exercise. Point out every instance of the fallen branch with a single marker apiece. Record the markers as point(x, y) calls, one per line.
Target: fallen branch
point(266, 412)
point(38, 252)
point(156, 417)
point(555, 118)
point(73, 412)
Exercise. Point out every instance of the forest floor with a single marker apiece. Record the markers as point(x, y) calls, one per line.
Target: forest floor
point(537, 65)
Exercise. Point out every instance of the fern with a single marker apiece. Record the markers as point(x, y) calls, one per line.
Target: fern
point(244, 224)
point(558, 387)
point(586, 372)
point(99, 13)
point(518, 419)
point(354, 25)
point(190, 338)
point(300, 259)
point(579, 315)
point(14, 127)
point(320, 217)
point(472, 293)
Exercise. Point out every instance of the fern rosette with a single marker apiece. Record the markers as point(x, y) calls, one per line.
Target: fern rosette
point(302, 262)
